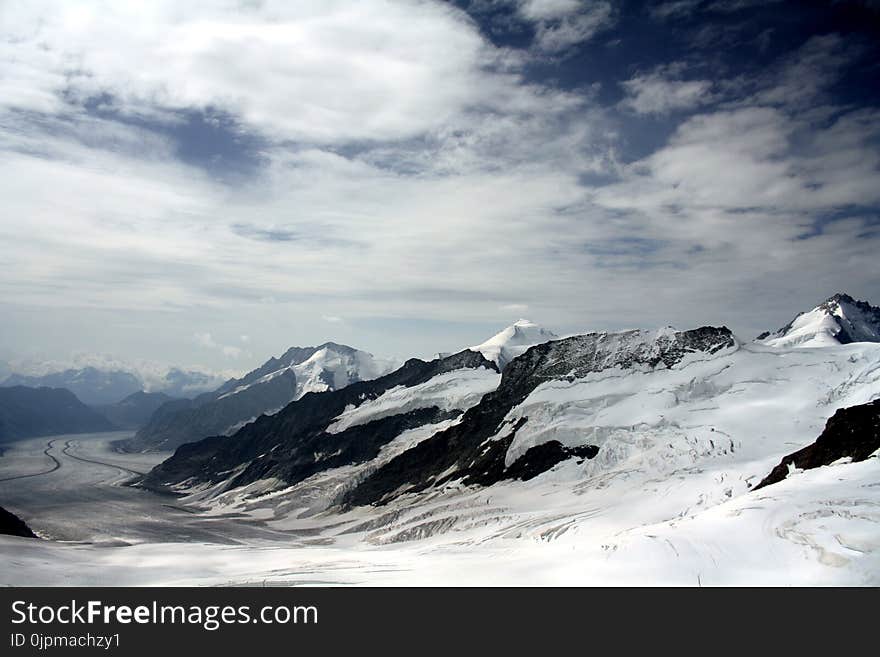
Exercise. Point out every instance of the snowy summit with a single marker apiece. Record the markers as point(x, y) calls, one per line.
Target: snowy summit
point(503, 347)
point(840, 319)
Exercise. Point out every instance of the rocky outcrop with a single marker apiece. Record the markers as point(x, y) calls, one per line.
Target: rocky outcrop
point(12, 525)
point(852, 432)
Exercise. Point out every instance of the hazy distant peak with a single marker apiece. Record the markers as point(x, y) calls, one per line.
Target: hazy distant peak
point(512, 341)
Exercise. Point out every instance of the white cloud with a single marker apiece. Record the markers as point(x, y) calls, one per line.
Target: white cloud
point(662, 91)
point(561, 24)
point(401, 199)
point(678, 8)
point(550, 9)
point(730, 6)
point(319, 71)
point(207, 341)
point(802, 79)
point(674, 8)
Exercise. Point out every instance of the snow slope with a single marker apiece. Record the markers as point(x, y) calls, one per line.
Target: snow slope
point(840, 319)
point(459, 389)
point(667, 499)
point(514, 340)
point(819, 528)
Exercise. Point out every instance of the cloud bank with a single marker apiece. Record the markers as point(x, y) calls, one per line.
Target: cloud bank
point(390, 164)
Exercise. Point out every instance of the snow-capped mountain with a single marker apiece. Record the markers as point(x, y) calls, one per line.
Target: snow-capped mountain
point(390, 414)
point(514, 340)
point(619, 448)
point(487, 445)
point(316, 433)
point(662, 456)
point(366, 422)
point(840, 319)
point(265, 390)
point(316, 369)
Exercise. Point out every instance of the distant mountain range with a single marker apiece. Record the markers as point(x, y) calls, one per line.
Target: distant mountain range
point(31, 412)
point(90, 385)
point(102, 384)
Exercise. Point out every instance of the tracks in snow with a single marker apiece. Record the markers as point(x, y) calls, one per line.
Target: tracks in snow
point(57, 464)
point(67, 446)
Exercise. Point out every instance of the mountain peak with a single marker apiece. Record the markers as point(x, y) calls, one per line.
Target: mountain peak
point(840, 319)
point(512, 341)
point(840, 296)
point(327, 366)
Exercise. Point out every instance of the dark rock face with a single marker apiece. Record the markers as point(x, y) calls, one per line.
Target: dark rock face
point(135, 410)
point(293, 444)
point(541, 458)
point(465, 451)
point(848, 332)
point(31, 412)
point(852, 432)
point(12, 525)
point(184, 420)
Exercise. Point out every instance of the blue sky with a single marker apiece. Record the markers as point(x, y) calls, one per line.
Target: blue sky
point(210, 183)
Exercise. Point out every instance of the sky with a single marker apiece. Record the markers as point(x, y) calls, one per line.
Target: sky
point(211, 182)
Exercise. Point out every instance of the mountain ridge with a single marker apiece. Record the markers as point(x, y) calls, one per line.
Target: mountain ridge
point(288, 446)
point(264, 390)
point(840, 319)
point(301, 427)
